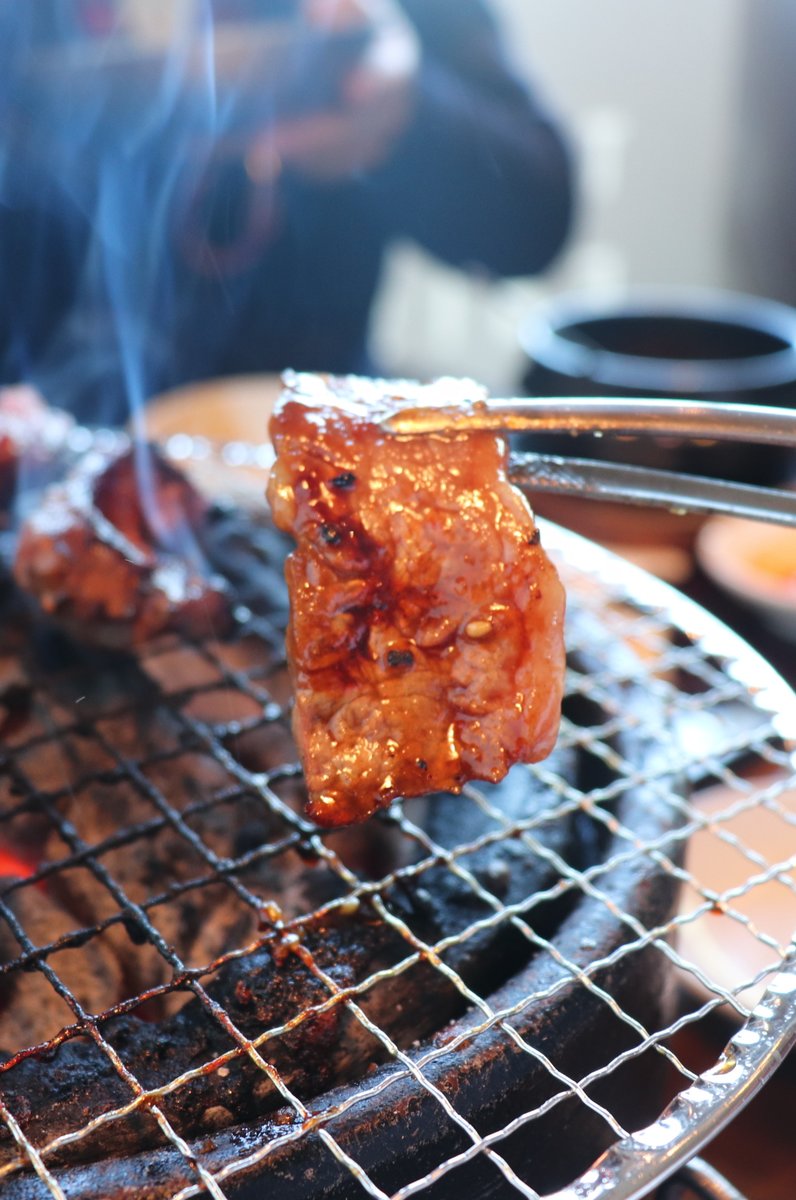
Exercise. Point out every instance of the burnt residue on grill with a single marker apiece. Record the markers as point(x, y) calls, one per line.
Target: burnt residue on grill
point(272, 985)
point(175, 918)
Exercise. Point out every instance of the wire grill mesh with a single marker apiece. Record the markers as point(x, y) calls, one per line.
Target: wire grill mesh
point(154, 842)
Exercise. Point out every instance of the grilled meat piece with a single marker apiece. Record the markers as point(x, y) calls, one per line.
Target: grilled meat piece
point(113, 552)
point(426, 633)
point(32, 435)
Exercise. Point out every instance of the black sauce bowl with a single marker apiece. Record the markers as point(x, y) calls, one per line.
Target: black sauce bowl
point(680, 344)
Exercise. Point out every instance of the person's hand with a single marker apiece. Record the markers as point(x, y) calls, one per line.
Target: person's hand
point(375, 104)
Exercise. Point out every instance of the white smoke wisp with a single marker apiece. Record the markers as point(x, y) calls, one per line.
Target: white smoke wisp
point(112, 126)
point(111, 133)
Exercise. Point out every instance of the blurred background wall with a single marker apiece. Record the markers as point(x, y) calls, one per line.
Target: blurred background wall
point(762, 245)
point(682, 115)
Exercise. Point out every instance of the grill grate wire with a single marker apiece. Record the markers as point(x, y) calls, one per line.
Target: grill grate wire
point(698, 673)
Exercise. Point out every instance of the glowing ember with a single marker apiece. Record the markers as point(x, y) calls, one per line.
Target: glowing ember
point(13, 867)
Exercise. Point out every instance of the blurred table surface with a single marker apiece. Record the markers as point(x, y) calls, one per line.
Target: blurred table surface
point(757, 1151)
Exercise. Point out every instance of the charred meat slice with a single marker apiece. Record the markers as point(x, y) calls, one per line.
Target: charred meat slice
point(426, 632)
point(114, 553)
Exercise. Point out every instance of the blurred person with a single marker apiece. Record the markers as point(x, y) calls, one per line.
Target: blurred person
point(147, 241)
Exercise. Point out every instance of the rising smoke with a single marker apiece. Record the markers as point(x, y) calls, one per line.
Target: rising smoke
point(121, 185)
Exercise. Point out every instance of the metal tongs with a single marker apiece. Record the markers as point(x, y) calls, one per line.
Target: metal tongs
point(689, 419)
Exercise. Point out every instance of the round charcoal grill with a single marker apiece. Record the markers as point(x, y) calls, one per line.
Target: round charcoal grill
point(203, 995)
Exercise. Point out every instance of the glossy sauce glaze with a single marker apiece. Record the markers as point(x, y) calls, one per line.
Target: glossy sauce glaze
point(426, 633)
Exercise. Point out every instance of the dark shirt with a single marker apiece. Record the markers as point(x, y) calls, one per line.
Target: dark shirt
point(109, 302)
